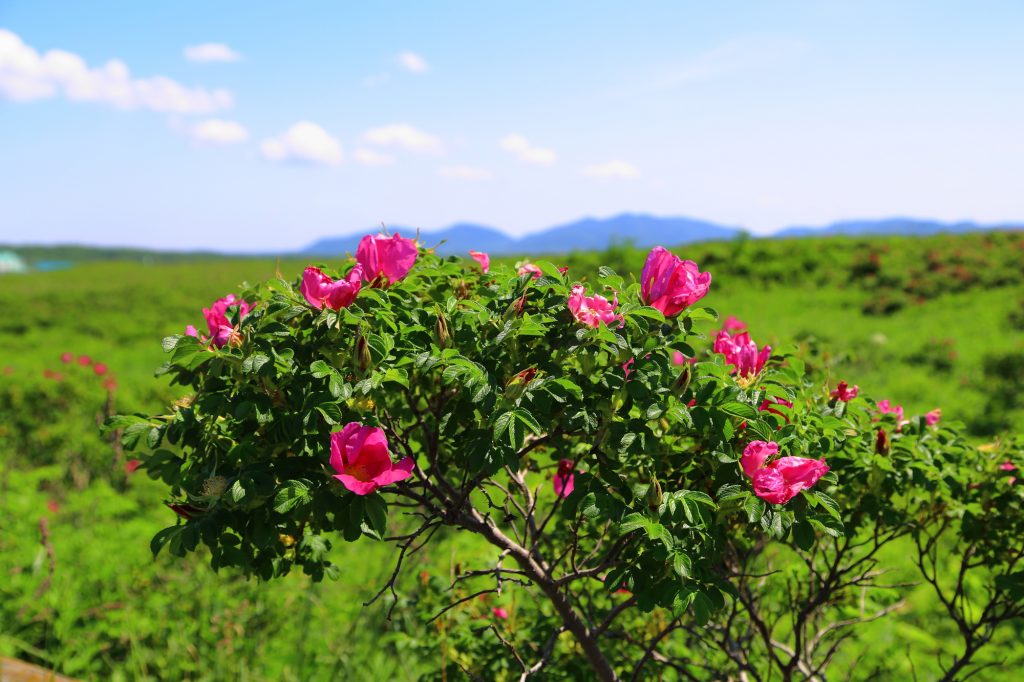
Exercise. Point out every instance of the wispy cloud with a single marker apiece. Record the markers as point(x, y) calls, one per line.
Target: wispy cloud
point(211, 52)
point(304, 142)
point(26, 75)
point(412, 62)
point(737, 55)
point(468, 173)
point(404, 136)
point(521, 147)
point(612, 170)
point(370, 157)
point(219, 132)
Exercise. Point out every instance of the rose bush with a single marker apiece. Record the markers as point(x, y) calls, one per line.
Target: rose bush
point(625, 471)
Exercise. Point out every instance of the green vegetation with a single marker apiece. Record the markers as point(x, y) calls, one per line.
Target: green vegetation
point(931, 322)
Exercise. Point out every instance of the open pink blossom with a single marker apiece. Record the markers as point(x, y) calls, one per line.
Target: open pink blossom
point(99, 368)
point(592, 310)
point(742, 353)
point(530, 269)
point(360, 456)
point(932, 418)
point(499, 612)
point(222, 331)
point(84, 360)
point(1008, 466)
point(66, 358)
point(386, 258)
point(782, 479)
point(670, 284)
point(844, 392)
point(734, 325)
point(482, 258)
point(563, 480)
point(885, 407)
point(320, 290)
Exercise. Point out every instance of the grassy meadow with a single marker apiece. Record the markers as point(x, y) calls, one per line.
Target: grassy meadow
point(926, 322)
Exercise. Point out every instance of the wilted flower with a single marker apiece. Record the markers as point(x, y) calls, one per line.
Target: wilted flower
point(360, 456)
point(882, 444)
point(845, 392)
point(781, 480)
point(742, 353)
point(320, 290)
point(386, 259)
point(592, 310)
point(483, 259)
point(670, 284)
point(563, 480)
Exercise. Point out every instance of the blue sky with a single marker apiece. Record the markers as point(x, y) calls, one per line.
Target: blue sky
point(286, 122)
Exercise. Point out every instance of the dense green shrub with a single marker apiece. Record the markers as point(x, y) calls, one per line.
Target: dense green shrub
point(451, 396)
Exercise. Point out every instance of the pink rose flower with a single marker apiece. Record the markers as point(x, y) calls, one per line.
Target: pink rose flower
point(499, 612)
point(530, 269)
point(1008, 466)
point(84, 360)
point(563, 480)
point(592, 310)
point(66, 358)
point(386, 259)
point(742, 353)
point(844, 392)
point(360, 456)
point(670, 284)
point(784, 478)
point(132, 465)
point(483, 259)
point(734, 324)
point(99, 368)
point(221, 330)
point(885, 407)
point(320, 290)
point(932, 418)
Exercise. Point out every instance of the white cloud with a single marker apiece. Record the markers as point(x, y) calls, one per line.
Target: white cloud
point(470, 173)
point(211, 52)
point(219, 131)
point(410, 61)
point(369, 157)
point(26, 75)
point(404, 136)
point(520, 146)
point(303, 142)
point(612, 170)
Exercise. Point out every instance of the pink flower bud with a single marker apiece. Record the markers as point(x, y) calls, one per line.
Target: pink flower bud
point(670, 284)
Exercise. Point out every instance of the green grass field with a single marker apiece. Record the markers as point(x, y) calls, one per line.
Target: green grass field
point(932, 322)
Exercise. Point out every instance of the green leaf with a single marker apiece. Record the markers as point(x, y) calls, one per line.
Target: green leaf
point(633, 521)
point(254, 362)
point(738, 409)
point(682, 565)
point(291, 495)
point(321, 369)
point(377, 513)
point(831, 506)
point(803, 535)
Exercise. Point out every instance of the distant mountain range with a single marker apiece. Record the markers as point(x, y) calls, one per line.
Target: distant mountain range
point(639, 229)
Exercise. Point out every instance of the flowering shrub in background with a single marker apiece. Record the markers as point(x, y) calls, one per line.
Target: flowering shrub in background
point(640, 521)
